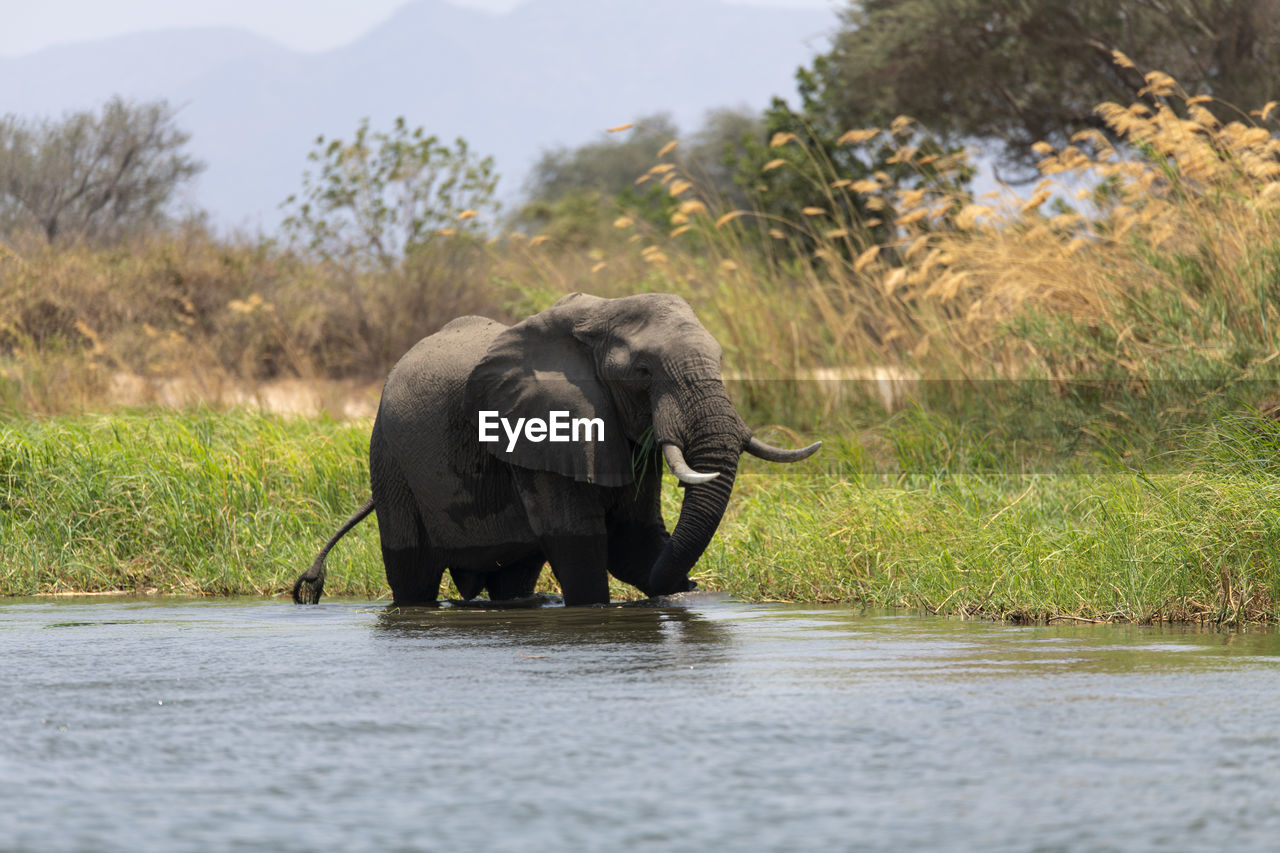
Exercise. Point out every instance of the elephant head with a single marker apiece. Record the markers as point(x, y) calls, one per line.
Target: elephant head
point(644, 366)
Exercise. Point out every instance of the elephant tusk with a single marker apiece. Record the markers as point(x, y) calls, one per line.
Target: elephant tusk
point(769, 453)
point(685, 474)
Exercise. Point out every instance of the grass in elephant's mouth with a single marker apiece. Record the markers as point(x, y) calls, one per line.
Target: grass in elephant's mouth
point(236, 503)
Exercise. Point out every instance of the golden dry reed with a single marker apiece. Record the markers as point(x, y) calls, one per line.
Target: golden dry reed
point(1125, 261)
point(1164, 244)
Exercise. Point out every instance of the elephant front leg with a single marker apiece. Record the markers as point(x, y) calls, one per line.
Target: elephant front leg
point(633, 549)
point(578, 562)
point(569, 520)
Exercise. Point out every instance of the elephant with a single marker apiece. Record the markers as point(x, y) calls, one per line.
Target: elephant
point(640, 376)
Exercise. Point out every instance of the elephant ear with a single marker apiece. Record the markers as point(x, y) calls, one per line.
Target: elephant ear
point(543, 365)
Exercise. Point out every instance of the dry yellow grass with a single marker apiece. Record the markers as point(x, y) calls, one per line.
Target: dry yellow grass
point(76, 322)
point(1165, 245)
point(1120, 262)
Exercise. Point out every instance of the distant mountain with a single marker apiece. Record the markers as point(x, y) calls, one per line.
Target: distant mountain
point(550, 72)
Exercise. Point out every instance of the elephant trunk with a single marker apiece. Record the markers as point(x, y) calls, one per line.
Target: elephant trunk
point(702, 423)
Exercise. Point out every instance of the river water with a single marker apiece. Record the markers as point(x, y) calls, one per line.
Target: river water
point(700, 725)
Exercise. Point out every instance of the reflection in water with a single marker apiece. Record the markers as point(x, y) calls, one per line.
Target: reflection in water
point(693, 724)
point(642, 623)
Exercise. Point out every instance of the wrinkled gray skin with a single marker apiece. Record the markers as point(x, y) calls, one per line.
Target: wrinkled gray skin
point(643, 364)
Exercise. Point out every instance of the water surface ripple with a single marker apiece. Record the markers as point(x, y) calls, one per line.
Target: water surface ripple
point(698, 725)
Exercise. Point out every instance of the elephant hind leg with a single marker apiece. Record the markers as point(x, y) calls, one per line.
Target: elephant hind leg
point(413, 574)
point(413, 570)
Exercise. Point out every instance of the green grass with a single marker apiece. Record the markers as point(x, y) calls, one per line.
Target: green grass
point(942, 518)
point(986, 517)
point(204, 503)
point(1115, 546)
point(1087, 441)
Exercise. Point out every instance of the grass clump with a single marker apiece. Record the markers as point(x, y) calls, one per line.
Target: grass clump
point(239, 503)
point(1197, 539)
point(200, 503)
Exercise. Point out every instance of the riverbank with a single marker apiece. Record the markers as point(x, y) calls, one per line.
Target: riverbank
point(238, 503)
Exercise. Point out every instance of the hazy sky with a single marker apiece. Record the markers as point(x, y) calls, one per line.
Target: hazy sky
point(309, 25)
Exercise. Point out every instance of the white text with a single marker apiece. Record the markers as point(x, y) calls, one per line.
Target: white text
point(557, 427)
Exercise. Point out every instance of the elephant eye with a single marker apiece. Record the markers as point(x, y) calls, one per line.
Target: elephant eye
point(642, 370)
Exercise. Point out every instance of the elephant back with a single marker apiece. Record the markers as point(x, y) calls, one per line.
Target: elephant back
point(440, 361)
point(423, 398)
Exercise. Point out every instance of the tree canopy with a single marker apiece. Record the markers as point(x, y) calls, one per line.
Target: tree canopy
point(385, 194)
point(570, 188)
point(92, 176)
point(608, 166)
point(1018, 71)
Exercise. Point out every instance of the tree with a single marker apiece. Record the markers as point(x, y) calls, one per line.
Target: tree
point(1018, 71)
point(385, 195)
point(571, 192)
point(93, 177)
point(710, 155)
point(609, 166)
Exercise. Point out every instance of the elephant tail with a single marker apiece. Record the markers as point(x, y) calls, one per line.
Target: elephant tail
point(310, 584)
